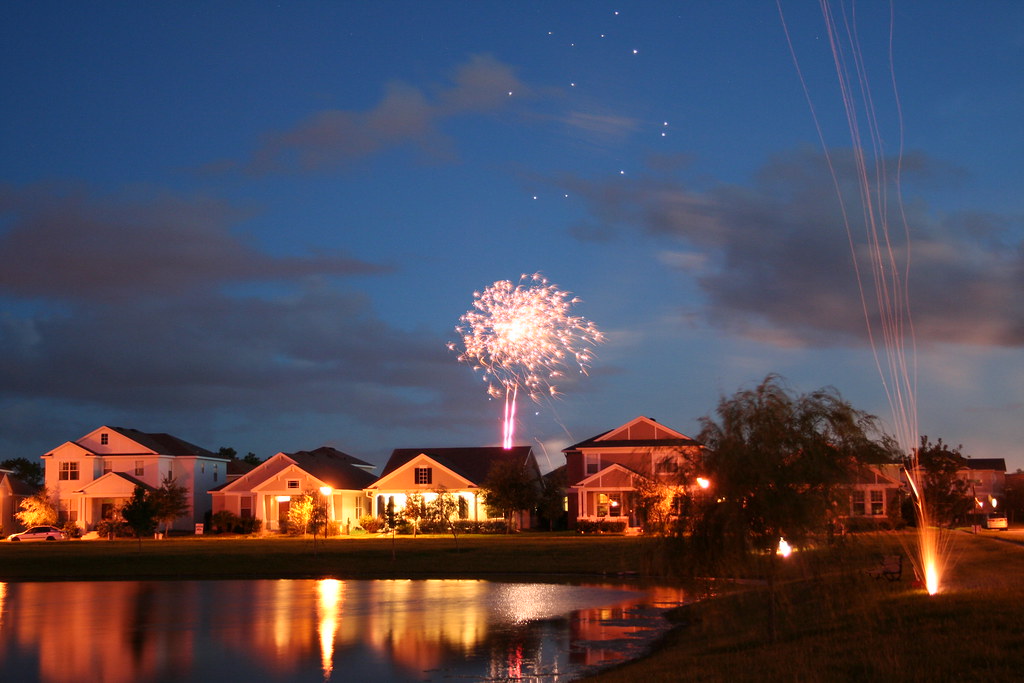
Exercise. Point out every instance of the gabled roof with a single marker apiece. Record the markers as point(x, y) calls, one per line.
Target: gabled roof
point(163, 444)
point(328, 454)
point(640, 432)
point(17, 486)
point(614, 471)
point(472, 463)
point(997, 464)
point(115, 481)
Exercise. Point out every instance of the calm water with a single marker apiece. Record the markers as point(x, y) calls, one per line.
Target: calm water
point(321, 630)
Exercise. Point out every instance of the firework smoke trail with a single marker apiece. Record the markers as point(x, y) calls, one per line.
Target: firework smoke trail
point(524, 336)
point(887, 255)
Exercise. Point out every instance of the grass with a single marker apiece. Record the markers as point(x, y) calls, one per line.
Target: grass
point(835, 623)
point(832, 621)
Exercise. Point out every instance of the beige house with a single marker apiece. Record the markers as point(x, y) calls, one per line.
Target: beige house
point(266, 491)
point(604, 472)
point(876, 492)
point(460, 471)
point(94, 475)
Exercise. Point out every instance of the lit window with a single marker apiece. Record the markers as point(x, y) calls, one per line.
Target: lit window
point(68, 471)
point(424, 475)
point(140, 468)
point(877, 502)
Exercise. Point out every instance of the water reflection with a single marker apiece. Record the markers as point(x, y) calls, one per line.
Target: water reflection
point(327, 630)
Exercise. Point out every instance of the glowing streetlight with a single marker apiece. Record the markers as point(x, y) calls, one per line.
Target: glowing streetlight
point(703, 483)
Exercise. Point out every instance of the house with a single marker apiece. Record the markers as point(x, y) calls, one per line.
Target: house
point(876, 492)
point(266, 491)
point(605, 472)
point(12, 492)
point(461, 471)
point(94, 475)
point(987, 479)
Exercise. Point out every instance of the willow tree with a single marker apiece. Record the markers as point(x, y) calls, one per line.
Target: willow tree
point(778, 462)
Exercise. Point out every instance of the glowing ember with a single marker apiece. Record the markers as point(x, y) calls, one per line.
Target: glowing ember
point(784, 548)
point(524, 336)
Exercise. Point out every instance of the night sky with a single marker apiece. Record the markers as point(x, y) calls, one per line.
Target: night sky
point(256, 225)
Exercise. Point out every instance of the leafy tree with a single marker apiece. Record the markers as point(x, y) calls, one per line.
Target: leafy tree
point(778, 460)
point(140, 513)
point(37, 510)
point(445, 509)
point(551, 502)
point(947, 496)
point(656, 503)
point(300, 512)
point(227, 452)
point(508, 488)
point(252, 459)
point(170, 500)
point(32, 473)
point(415, 509)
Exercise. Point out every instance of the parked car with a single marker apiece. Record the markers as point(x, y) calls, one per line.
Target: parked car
point(996, 521)
point(39, 533)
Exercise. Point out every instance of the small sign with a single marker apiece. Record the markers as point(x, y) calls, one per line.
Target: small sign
point(199, 529)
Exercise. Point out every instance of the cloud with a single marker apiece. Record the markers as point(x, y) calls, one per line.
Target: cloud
point(406, 114)
point(775, 263)
point(69, 245)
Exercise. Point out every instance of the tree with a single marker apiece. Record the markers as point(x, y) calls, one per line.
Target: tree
point(415, 509)
point(252, 459)
point(445, 509)
point(31, 473)
point(778, 460)
point(947, 496)
point(170, 501)
point(551, 502)
point(37, 510)
point(509, 488)
point(140, 512)
point(300, 512)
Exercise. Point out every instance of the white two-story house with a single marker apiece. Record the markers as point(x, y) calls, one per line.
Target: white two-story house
point(92, 476)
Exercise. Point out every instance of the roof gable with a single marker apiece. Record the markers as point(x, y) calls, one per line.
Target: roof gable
point(472, 464)
point(114, 484)
point(638, 432)
point(107, 440)
point(614, 476)
point(326, 466)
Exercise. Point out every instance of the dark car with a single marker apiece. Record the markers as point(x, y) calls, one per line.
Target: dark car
point(39, 533)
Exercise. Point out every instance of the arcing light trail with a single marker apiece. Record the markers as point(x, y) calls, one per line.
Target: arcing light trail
point(524, 336)
point(884, 254)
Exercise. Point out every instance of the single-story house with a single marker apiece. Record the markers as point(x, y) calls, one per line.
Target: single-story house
point(461, 471)
point(12, 492)
point(266, 491)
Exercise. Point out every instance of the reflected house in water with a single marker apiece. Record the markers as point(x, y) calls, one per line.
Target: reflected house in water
point(266, 491)
point(461, 471)
point(302, 630)
point(93, 476)
point(605, 472)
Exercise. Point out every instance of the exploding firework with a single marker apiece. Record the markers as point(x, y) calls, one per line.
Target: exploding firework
point(524, 337)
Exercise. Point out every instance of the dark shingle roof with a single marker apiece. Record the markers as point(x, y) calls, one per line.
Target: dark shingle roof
point(335, 468)
point(998, 464)
point(164, 444)
point(473, 463)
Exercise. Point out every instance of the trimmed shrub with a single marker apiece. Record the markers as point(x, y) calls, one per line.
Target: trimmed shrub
point(371, 524)
point(601, 526)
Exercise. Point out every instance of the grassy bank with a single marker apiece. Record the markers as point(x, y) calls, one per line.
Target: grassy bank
point(284, 557)
point(835, 623)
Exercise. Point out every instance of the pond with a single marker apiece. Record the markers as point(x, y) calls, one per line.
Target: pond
point(322, 630)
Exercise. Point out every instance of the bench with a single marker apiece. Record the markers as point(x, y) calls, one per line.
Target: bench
point(890, 567)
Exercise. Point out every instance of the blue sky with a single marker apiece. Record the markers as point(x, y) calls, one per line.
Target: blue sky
point(256, 225)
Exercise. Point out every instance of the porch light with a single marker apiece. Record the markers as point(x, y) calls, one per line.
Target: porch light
point(703, 483)
point(283, 499)
point(326, 490)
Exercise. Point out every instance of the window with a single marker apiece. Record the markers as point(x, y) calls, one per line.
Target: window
point(857, 503)
point(104, 439)
point(245, 507)
point(614, 504)
point(292, 484)
point(463, 508)
point(593, 463)
point(108, 466)
point(68, 512)
point(424, 475)
point(359, 507)
point(877, 502)
point(216, 471)
point(68, 471)
point(140, 468)
point(667, 465)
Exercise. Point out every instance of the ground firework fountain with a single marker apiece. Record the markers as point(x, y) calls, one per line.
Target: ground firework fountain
point(524, 337)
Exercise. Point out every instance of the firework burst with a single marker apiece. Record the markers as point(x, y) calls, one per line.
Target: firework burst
point(524, 337)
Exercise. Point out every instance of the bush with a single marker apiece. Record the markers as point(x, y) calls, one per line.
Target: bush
point(110, 527)
point(602, 526)
point(72, 529)
point(371, 524)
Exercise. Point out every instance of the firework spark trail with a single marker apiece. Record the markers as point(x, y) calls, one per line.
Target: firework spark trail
point(888, 262)
point(524, 336)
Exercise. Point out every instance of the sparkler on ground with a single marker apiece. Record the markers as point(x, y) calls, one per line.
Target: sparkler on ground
point(524, 336)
